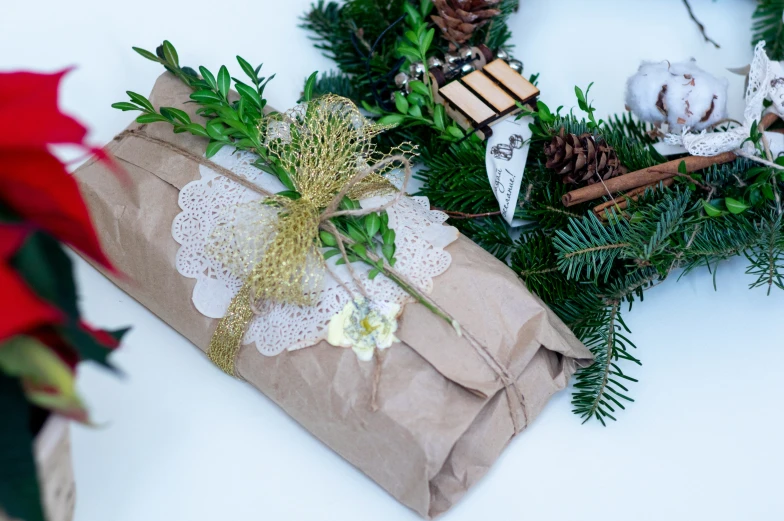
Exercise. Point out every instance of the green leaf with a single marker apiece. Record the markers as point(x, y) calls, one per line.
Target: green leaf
point(401, 104)
point(412, 37)
point(427, 41)
point(224, 82)
point(150, 118)
point(125, 105)
point(388, 251)
point(455, 131)
point(372, 224)
point(177, 114)
point(247, 68)
point(215, 130)
point(213, 147)
point(439, 117)
point(391, 119)
point(359, 249)
point(208, 77)
point(20, 496)
point(416, 111)
point(140, 100)
point(414, 17)
point(291, 194)
point(370, 108)
point(310, 84)
point(420, 88)
point(327, 239)
point(331, 253)
point(249, 93)
point(735, 206)
point(710, 209)
point(49, 382)
point(388, 237)
point(205, 96)
point(196, 130)
point(26, 357)
point(147, 54)
point(170, 53)
point(409, 52)
point(285, 178)
point(424, 7)
point(372, 274)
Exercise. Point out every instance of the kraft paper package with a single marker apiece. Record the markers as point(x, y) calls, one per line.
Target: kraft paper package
point(443, 414)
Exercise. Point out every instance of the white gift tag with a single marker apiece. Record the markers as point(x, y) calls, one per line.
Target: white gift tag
point(507, 151)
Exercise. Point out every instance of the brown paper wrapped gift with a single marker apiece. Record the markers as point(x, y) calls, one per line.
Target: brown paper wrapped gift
point(443, 414)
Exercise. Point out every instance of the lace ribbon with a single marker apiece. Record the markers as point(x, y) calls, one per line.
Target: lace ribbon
point(766, 80)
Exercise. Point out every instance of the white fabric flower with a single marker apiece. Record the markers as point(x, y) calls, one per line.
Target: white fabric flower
point(364, 327)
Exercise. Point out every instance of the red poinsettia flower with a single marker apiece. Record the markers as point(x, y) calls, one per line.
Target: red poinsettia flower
point(20, 308)
point(33, 182)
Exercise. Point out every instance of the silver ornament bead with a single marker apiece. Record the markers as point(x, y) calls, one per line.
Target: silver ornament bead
point(516, 65)
point(467, 68)
point(466, 53)
point(502, 54)
point(434, 63)
point(452, 59)
point(401, 79)
point(417, 70)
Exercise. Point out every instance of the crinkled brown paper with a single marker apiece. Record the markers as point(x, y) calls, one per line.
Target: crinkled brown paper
point(443, 415)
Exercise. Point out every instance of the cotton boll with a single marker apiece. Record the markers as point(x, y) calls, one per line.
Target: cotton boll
point(695, 99)
point(643, 91)
point(680, 94)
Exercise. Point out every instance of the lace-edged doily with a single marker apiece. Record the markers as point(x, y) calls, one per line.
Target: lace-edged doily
point(420, 240)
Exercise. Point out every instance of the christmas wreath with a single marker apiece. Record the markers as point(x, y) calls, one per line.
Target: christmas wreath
point(605, 216)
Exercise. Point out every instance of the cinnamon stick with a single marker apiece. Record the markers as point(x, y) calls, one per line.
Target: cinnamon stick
point(632, 194)
point(643, 177)
point(767, 120)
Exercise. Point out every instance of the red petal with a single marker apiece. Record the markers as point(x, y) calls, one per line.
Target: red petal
point(28, 108)
point(37, 187)
point(101, 336)
point(20, 309)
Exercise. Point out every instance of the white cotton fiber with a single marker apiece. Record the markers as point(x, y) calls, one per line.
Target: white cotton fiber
point(689, 96)
point(642, 91)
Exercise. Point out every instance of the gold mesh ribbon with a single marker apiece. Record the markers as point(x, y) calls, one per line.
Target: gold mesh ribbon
point(272, 244)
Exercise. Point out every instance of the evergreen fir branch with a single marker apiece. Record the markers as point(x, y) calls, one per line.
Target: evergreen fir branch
point(769, 26)
point(491, 233)
point(598, 387)
point(651, 230)
point(456, 179)
point(588, 248)
point(339, 83)
point(536, 263)
point(767, 257)
point(718, 239)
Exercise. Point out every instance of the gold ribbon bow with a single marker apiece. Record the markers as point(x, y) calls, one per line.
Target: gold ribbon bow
point(327, 150)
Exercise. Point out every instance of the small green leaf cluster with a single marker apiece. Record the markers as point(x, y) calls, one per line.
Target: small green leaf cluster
point(231, 119)
point(373, 239)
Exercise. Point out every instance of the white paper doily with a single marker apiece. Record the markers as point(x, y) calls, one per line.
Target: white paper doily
point(420, 240)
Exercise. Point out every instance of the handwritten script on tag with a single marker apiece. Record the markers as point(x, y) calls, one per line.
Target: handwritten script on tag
point(507, 151)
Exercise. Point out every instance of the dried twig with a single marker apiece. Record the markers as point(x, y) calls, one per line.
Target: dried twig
point(699, 24)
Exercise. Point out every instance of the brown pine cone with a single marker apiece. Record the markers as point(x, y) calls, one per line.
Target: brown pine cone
point(458, 19)
point(582, 159)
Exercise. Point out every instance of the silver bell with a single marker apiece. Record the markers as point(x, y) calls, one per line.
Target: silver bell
point(417, 70)
point(467, 68)
point(516, 65)
point(401, 79)
point(452, 59)
point(434, 63)
point(466, 53)
point(502, 54)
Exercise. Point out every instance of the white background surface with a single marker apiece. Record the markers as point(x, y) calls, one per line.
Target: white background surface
point(181, 441)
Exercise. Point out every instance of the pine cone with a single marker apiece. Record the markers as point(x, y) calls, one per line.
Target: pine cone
point(458, 19)
point(578, 159)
